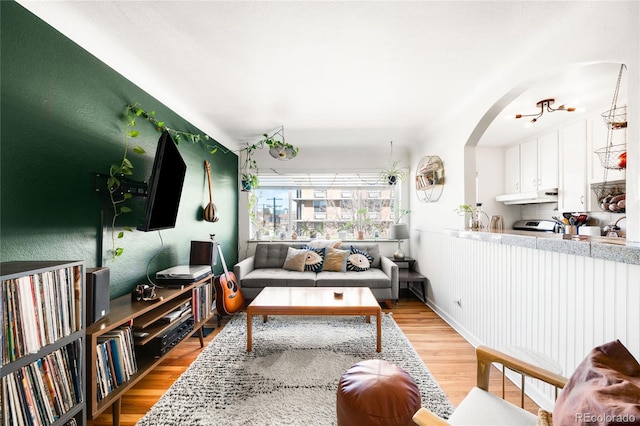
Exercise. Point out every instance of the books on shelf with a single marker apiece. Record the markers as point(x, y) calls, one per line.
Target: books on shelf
point(115, 361)
point(39, 309)
point(202, 302)
point(41, 392)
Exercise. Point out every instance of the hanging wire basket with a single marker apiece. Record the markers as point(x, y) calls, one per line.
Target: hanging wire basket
point(615, 118)
point(611, 196)
point(612, 158)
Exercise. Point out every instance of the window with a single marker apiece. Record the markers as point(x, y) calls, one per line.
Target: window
point(321, 205)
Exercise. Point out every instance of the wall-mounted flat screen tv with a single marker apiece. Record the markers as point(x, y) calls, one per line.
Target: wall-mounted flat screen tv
point(165, 187)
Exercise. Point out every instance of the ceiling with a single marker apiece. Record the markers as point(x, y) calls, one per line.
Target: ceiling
point(362, 73)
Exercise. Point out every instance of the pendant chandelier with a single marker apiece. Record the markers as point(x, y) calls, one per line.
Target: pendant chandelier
point(545, 105)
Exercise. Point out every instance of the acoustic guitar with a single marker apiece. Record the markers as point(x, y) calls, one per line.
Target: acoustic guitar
point(229, 298)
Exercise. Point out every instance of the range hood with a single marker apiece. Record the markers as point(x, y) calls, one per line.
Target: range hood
point(534, 197)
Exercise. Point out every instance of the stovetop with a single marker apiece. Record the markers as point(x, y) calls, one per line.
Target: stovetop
point(537, 225)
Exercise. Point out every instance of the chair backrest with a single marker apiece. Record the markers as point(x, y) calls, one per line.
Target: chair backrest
point(486, 356)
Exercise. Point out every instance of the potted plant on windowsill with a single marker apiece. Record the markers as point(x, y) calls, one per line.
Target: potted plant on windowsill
point(344, 229)
point(363, 223)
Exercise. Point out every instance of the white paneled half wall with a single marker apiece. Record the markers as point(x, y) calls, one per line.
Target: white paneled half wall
point(561, 305)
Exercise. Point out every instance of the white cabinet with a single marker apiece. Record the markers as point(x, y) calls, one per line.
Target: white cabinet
point(533, 165)
point(529, 166)
point(512, 170)
point(548, 161)
point(573, 190)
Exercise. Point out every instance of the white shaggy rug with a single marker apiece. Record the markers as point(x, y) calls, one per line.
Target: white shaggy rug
point(291, 375)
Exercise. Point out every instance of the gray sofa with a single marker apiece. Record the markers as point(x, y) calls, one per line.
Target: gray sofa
point(265, 269)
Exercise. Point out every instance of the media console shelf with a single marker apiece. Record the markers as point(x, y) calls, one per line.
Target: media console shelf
point(141, 317)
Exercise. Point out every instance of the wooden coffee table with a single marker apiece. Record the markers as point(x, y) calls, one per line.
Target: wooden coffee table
point(315, 301)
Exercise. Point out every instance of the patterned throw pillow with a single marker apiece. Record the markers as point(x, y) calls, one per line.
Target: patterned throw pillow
point(359, 260)
point(295, 260)
point(314, 259)
point(335, 260)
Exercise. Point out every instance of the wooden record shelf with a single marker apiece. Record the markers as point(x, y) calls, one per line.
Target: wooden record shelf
point(143, 316)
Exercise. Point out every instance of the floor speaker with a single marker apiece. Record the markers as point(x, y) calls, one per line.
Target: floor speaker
point(203, 253)
point(97, 300)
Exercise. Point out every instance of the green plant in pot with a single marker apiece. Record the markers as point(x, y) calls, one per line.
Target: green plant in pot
point(249, 178)
point(363, 223)
point(304, 229)
point(344, 229)
point(249, 181)
point(393, 174)
point(277, 149)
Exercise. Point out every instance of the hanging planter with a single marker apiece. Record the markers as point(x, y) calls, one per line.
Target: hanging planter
point(249, 182)
point(283, 152)
point(393, 174)
point(277, 148)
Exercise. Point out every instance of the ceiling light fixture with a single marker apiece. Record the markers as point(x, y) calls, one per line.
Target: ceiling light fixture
point(545, 104)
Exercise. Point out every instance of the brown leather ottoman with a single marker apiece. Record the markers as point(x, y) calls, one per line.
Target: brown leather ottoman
point(377, 392)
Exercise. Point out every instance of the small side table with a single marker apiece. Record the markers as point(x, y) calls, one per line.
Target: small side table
point(406, 274)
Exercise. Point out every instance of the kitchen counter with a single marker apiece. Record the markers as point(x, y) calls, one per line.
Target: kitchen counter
point(607, 248)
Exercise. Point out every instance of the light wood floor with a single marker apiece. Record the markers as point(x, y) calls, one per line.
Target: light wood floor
point(449, 357)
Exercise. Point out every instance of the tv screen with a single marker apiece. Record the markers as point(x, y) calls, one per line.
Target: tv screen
point(165, 187)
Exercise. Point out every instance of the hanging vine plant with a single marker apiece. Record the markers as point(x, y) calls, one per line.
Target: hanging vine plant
point(118, 173)
point(178, 135)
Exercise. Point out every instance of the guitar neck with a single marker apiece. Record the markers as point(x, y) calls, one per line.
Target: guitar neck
point(224, 264)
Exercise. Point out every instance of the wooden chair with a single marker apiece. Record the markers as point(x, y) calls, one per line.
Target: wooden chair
point(480, 407)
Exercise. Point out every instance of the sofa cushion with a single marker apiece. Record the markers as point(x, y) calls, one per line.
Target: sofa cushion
point(278, 277)
point(480, 407)
point(372, 278)
point(358, 260)
point(271, 255)
point(371, 248)
point(604, 389)
point(314, 259)
point(295, 260)
point(335, 260)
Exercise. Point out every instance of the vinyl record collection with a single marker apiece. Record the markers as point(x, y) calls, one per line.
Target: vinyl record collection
point(202, 302)
point(115, 361)
point(41, 392)
point(39, 309)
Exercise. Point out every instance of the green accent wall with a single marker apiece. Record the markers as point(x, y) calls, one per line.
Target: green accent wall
point(62, 120)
